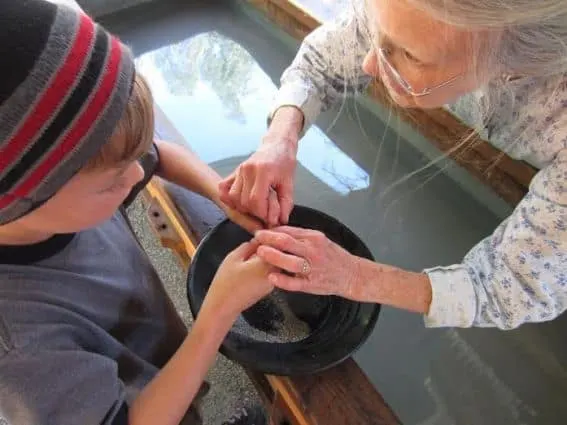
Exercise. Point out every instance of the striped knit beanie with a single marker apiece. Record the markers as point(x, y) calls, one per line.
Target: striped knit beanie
point(64, 84)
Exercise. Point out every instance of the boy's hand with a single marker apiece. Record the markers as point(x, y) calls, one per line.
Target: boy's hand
point(248, 222)
point(240, 282)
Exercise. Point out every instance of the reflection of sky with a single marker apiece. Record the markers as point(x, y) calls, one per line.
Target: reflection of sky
point(215, 134)
point(323, 9)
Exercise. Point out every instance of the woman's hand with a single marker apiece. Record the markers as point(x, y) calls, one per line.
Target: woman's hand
point(319, 266)
point(263, 184)
point(240, 281)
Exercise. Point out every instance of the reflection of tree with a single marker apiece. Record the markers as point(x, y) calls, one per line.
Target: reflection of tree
point(210, 58)
point(357, 179)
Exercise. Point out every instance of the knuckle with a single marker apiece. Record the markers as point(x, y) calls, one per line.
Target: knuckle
point(248, 165)
point(260, 164)
point(318, 236)
point(248, 170)
point(233, 193)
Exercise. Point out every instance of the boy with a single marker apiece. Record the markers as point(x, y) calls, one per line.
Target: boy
point(87, 332)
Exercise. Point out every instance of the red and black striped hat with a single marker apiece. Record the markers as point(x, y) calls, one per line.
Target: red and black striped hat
point(64, 84)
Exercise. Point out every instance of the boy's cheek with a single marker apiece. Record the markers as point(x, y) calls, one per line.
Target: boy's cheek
point(99, 212)
point(82, 215)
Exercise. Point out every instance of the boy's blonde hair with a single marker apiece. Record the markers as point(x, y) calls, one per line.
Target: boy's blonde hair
point(134, 133)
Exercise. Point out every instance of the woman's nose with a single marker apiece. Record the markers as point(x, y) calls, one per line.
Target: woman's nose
point(370, 64)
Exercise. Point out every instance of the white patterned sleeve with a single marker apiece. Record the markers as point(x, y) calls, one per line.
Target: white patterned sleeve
point(328, 65)
point(517, 275)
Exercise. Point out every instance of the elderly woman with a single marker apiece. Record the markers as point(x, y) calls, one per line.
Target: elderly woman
point(501, 65)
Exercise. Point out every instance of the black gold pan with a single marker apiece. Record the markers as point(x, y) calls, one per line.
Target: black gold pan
point(338, 326)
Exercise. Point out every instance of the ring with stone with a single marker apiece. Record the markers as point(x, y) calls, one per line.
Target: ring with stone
point(305, 268)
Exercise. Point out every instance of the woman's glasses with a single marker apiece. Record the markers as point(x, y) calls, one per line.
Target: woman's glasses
point(383, 54)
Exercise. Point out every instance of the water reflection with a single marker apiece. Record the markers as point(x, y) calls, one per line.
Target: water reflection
point(324, 9)
point(213, 61)
point(214, 93)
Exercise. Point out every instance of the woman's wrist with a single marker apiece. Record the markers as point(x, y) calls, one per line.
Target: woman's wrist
point(373, 282)
point(286, 126)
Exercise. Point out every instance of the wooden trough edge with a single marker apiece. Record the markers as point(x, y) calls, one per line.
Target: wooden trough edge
point(509, 178)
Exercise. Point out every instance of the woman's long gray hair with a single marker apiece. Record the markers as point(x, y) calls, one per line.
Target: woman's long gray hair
point(511, 38)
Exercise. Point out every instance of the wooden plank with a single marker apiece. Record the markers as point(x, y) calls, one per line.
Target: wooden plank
point(341, 395)
point(289, 401)
point(290, 16)
point(507, 177)
point(168, 225)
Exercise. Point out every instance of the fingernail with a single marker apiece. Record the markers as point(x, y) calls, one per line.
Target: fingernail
point(273, 278)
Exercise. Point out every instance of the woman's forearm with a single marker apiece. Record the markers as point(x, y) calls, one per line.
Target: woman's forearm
point(181, 166)
point(166, 399)
point(388, 285)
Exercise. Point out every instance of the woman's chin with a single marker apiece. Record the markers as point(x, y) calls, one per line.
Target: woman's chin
point(401, 100)
point(406, 101)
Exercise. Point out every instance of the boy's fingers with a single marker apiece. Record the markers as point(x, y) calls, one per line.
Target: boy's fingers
point(251, 224)
point(296, 232)
point(245, 251)
point(288, 283)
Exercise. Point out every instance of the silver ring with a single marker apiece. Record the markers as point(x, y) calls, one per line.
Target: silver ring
point(305, 268)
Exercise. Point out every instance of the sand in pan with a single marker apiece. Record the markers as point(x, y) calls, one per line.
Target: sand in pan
point(272, 320)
